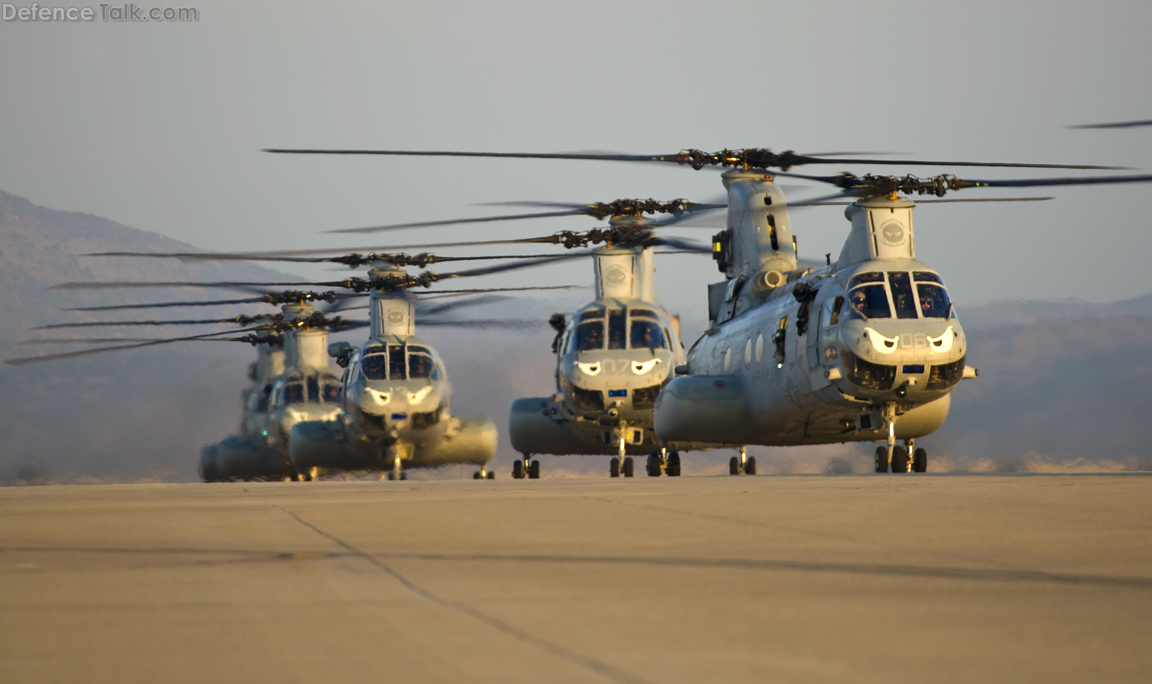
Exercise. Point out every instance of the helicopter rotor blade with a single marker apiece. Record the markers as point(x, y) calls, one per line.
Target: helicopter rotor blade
point(752, 157)
point(1117, 124)
point(482, 323)
point(238, 320)
point(874, 185)
point(99, 350)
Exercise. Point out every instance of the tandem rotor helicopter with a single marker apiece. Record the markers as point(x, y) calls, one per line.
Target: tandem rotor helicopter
point(867, 347)
point(390, 410)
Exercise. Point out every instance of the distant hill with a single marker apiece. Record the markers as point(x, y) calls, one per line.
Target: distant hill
point(120, 415)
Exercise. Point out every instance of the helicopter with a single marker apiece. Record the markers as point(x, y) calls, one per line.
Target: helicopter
point(427, 438)
point(867, 348)
point(304, 389)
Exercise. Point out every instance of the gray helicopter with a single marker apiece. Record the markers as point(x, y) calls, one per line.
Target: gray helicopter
point(864, 349)
point(613, 357)
point(867, 348)
point(396, 400)
point(304, 389)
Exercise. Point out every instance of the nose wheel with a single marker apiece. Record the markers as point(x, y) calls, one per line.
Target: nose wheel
point(484, 474)
point(904, 459)
point(742, 464)
point(523, 469)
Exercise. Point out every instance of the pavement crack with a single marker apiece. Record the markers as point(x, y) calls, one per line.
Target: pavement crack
point(588, 662)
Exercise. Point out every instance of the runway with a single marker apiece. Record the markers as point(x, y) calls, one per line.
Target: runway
point(998, 578)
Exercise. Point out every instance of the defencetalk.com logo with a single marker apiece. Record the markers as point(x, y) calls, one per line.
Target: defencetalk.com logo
point(127, 12)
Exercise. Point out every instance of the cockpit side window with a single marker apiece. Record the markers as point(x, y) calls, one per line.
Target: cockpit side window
point(375, 366)
point(590, 336)
point(926, 277)
point(616, 329)
point(933, 300)
point(592, 314)
point(902, 294)
point(647, 335)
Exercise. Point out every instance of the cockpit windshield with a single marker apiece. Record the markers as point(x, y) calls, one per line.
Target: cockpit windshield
point(399, 362)
point(869, 301)
point(374, 366)
point(647, 335)
point(868, 296)
point(293, 392)
point(420, 366)
point(590, 335)
point(616, 329)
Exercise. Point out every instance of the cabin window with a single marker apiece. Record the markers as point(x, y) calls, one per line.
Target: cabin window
point(590, 336)
point(748, 353)
point(902, 294)
point(759, 346)
point(617, 330)
point(834, 316)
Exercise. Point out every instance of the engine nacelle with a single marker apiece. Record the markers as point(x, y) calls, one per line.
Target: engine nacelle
point(242, 458)
point(470, 439)
point(318, 444)
point(704, 408)
point(533, 430)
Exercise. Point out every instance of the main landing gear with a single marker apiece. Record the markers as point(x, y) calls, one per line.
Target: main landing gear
point(522, 469)
point(743, 464)
point(898, 456)
point(484, 474)
point(663, 460)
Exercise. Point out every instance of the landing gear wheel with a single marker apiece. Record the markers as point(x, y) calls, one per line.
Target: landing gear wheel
point(476, 475)
point(899, 460)
point(881, 459)
point(627, 468)
point(673, 467)
point(534, 471)
point(518, 470)
point(614, 467)
point(653, 466)
point(750, 466)
point(390, 475)
point(491, 474)
point(920, 461)
point(733, 466)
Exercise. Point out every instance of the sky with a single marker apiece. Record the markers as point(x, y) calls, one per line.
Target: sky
point(160, 126)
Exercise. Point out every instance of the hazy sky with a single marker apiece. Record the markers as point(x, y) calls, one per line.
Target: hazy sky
point(159, 126)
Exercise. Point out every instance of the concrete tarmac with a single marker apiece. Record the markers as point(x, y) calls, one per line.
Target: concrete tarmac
point(912, 578)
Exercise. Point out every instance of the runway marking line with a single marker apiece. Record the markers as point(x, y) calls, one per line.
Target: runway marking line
point(597, 666)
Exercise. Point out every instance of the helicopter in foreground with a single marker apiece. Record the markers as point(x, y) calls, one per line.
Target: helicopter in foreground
point(866, 348)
